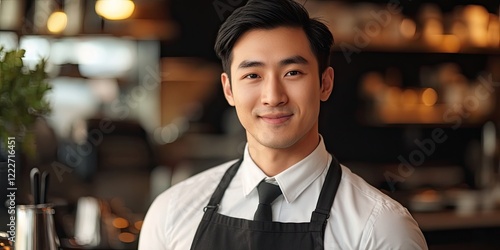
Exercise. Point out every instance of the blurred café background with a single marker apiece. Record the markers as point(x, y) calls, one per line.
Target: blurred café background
point(137, 107)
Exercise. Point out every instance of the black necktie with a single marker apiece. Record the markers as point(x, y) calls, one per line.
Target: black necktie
point(267, 194)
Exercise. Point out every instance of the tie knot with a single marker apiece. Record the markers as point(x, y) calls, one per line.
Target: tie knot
point(268, 192)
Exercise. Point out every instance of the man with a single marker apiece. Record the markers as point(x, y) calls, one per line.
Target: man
point(276, 73)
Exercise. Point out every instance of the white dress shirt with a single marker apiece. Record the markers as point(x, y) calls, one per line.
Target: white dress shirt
point(361, 217)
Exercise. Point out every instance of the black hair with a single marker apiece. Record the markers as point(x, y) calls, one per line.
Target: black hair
point(269, 14)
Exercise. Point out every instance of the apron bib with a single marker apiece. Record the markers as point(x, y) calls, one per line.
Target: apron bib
point(219, 232)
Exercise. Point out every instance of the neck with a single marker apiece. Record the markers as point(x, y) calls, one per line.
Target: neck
point(273, 161)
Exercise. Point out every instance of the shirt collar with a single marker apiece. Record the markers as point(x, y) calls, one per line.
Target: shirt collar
point(294, 180)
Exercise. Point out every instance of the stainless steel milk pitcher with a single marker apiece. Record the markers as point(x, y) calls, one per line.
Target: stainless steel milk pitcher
point(35, 228)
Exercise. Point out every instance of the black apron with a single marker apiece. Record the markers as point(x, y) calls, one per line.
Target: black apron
point(219, 232)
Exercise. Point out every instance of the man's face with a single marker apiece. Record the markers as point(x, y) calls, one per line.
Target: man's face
point(275, 87)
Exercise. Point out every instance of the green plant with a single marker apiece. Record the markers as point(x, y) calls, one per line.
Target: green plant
point(22, 92)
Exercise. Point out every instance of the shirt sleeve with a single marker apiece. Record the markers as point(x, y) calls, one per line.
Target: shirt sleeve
point(154, 233)
point(395, 229)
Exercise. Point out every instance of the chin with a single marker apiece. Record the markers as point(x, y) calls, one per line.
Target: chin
point(278, 143)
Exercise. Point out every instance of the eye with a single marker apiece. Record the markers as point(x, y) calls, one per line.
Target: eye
point(251, 76)
point(293, 73)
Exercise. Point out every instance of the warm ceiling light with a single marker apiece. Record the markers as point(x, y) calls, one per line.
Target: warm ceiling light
point(408, 28)
point(57, 22)
point(126, 237)
point(115, 9)
point(429, 97)
point(120, 223)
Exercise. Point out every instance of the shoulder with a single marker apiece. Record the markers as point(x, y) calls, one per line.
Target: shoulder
point(208, 176)
point(198, 186)
point(174, 215)
point(356, 186)
point(383, 222)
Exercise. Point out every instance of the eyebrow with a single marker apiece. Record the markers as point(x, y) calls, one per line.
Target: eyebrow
point(249, 64)
point(287, 61)
point(293, 60)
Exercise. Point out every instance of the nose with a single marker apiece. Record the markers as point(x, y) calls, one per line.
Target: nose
point(273, 92)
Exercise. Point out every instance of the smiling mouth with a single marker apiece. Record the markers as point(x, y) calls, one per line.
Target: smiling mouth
point(276, 119)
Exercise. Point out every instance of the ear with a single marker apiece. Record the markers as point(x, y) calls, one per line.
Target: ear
point(326, 84)
point(226, 87)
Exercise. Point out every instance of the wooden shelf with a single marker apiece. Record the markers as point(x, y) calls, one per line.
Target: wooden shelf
point(438, 115)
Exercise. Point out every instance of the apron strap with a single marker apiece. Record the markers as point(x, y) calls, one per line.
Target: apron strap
point(216, 198)
point(328, 192)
